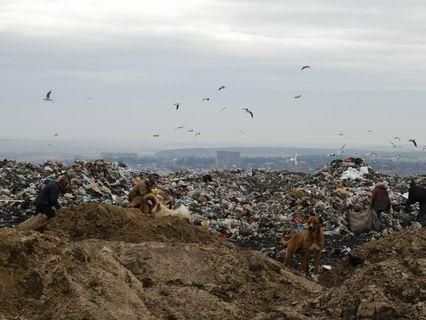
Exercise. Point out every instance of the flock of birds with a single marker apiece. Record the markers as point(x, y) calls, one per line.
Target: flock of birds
point(197, 133)
point(207, 99)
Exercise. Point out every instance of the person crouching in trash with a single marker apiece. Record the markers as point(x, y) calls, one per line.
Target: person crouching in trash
point(380, 203)
point(47, 199)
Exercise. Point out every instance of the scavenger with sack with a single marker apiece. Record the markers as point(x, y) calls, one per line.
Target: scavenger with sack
point(380, 203)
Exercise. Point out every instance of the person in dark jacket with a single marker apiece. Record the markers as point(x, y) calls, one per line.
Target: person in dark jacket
point(417, 193)
point(47, 199)
point(380, 201)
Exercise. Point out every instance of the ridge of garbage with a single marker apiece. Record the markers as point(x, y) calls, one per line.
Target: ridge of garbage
point(251, 208)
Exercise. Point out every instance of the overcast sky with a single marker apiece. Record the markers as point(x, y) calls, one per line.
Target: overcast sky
point(135, 59)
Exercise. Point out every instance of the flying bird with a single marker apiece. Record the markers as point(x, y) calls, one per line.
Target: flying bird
point(413, 141)
point(298, 96)
point(177, 105)
point(223, 109)
point(88, 99)
point(341, 150)
point(180, 127)
point(393, 144)
point(190, 130)
point(242, 131)
point(156, 135)
point(197, 134)
point(248, 111)
point(331, 155)
point(305, 67)
point(341, 134)
point(370, 131)
point(48, 96)
point(206, 99)
point(56, 134)
point(397, 138)
point(221, 88)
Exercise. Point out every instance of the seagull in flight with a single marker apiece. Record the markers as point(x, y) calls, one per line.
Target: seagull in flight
point(197, 134)
point(341, 134)
point(413, 141)
point(341, 150)
point(190, 130)
point(305, 67)
point(370, 131)
point(221, 88)
point(223, 109)
point(177, 105)
point(331, 155)
point(242, 131)
point(156, 135)
point(180, 127)
point(397, 138)
point(248, 111)
point(48, 96)
point(393, 144)
point(206, 99)
point(298, 96)
point(56, 134)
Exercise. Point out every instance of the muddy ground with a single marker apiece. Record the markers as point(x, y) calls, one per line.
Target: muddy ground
point(105, 262)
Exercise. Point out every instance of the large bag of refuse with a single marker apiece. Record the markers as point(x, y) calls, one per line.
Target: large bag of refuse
point(360, 221)
point(33, 223)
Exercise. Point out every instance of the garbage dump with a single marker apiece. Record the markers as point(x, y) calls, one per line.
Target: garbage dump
point(250, 208)
point(98, 261)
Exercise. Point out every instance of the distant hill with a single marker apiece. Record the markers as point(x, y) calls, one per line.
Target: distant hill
point(278, 152)
point(245, 152)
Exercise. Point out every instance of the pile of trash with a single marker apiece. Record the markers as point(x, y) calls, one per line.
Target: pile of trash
point(250, 208)
point(97, 181)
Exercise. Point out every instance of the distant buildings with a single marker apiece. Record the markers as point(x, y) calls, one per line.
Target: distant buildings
point(228, 159)
point(119, 156)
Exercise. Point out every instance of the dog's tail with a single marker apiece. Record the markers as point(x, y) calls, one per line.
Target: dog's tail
point(284, 241)
point(151, 200)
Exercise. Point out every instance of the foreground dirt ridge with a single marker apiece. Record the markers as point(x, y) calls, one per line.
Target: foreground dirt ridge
point(106, 262)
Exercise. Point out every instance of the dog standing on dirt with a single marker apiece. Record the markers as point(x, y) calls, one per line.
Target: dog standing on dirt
point(311, 240)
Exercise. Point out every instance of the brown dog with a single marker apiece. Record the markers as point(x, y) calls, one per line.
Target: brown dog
point(311, 240)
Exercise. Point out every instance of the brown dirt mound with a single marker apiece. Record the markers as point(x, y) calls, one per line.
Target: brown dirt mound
point(44, 277)
point(115, 223)
point(389, 282)
point(104, 262)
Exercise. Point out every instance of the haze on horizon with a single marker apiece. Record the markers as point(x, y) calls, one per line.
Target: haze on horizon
point(135, 59)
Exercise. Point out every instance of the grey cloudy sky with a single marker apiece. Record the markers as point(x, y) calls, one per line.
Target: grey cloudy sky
point(136, 58)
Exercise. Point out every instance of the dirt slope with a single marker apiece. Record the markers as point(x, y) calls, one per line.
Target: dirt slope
point(85, 268)
point(105, 262)
point(388, 281)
